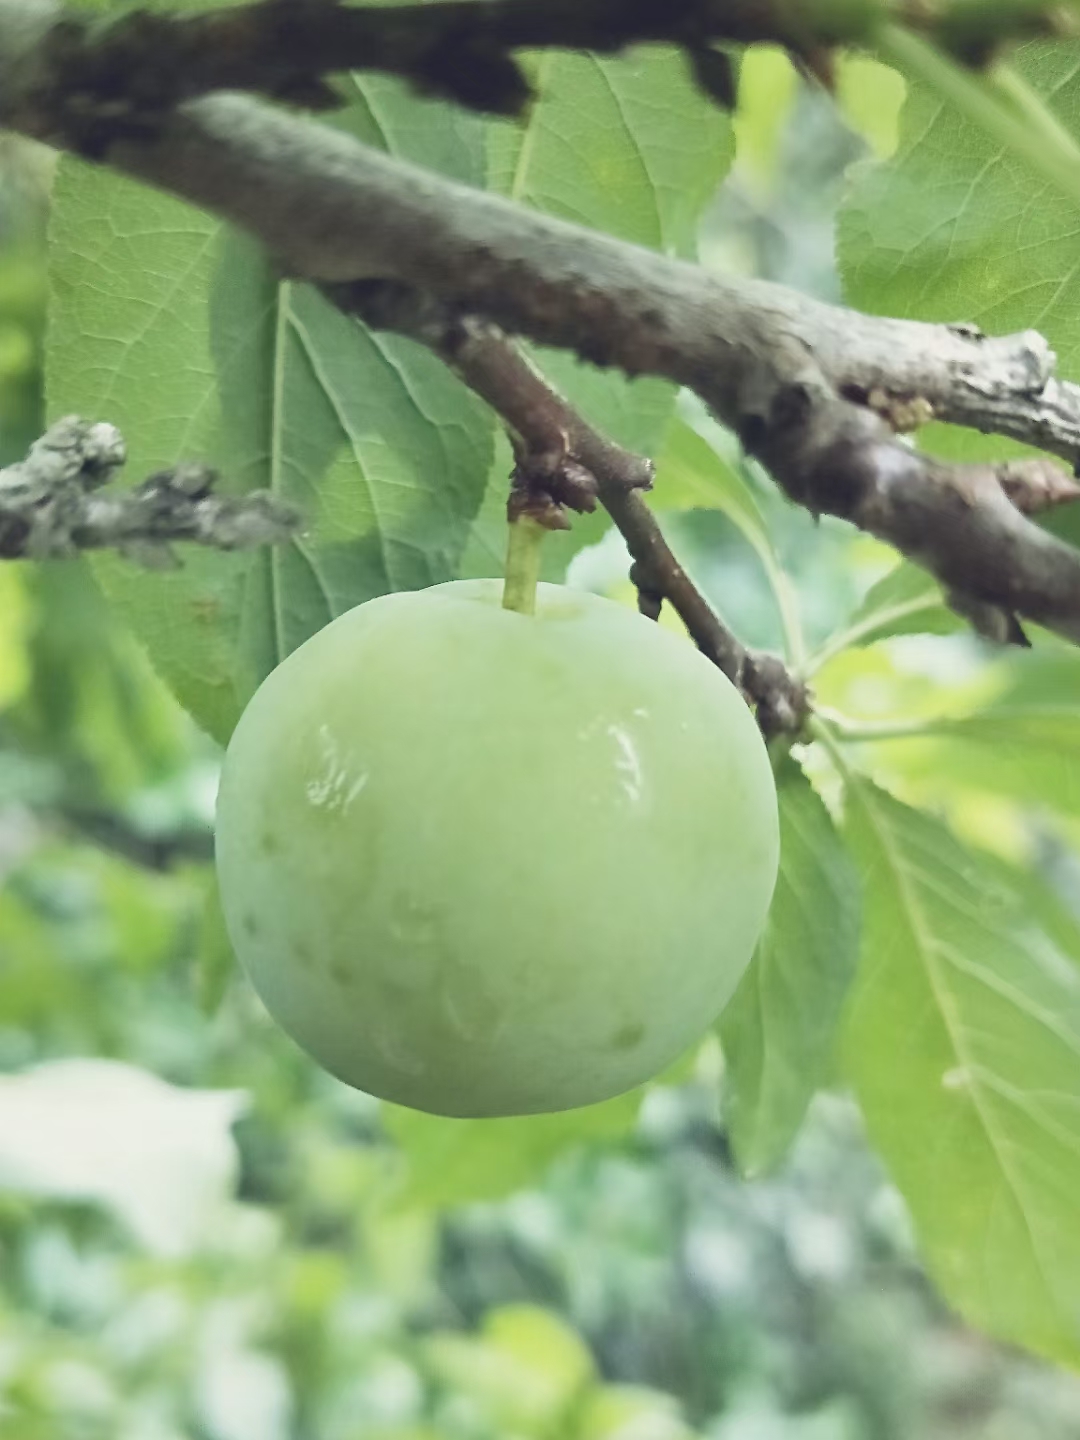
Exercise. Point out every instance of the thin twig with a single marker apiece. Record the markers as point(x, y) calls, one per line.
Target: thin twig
point(52, 504)
point(497, 371)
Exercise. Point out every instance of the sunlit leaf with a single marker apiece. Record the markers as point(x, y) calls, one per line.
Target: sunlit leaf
point(870, 96)
point(1024, 742)
point(954, 227)
point(452, 1161)
point(963, 1045)
point(906, 601)
point(768, 85)
point(626, 145)
point(14, 607)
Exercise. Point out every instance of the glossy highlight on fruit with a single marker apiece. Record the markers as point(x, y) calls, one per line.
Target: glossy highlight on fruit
point(485, 863)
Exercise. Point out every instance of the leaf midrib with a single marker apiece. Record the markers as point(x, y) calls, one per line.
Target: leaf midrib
point(926, 950)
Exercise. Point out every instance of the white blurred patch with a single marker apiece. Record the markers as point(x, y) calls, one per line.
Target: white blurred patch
point(600, 567)
point(241, 1392)
point(820, 1246)
point(161, 1159)
point(720, 1262)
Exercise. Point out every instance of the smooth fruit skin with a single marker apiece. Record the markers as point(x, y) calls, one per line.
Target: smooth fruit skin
point(482, 863)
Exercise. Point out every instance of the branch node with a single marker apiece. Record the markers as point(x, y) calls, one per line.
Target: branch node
point(782, 701)
point(546, 482)
point(650, 597)
point(991, 622)
point(902, 413)
point(1036, 485)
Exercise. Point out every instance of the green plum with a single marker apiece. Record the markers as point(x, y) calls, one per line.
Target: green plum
point(485, 863)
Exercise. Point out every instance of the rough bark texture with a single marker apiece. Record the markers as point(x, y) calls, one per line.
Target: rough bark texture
point(52, 504)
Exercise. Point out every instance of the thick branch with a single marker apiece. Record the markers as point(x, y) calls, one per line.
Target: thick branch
point(52, 504)
point(814, 391)
point(143, 64)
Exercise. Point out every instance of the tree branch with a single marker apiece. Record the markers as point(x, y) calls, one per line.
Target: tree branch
point(814, 391)
point(143, 64)
point(52, 504)
point(550, 428)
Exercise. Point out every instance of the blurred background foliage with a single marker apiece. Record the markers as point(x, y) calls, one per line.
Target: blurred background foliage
point(204, 1238)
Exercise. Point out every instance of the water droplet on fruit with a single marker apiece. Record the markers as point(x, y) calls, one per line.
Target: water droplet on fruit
point(336, 785)
point(341, 973)
point(627, 763)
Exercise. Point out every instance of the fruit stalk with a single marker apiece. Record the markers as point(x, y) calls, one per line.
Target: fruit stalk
point(523, 564)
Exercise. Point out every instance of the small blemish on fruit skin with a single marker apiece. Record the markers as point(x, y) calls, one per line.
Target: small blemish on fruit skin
point(269, 844)
point(251, 926)
point(628, 1037)
point(340, 972)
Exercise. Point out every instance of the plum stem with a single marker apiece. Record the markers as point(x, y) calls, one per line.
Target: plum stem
point(523, 564)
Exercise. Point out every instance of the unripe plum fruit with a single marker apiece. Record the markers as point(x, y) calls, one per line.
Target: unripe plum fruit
point(486, 863)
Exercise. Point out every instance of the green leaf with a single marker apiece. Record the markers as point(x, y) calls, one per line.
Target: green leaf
point(692, 475)
point(629, 146)
point(963, 1045)
point(779, 1029)
point(955, 227)
point(450, 1162)
point(177, 330)
point(870, 96)
point(906, 601)
point(1025, 742)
